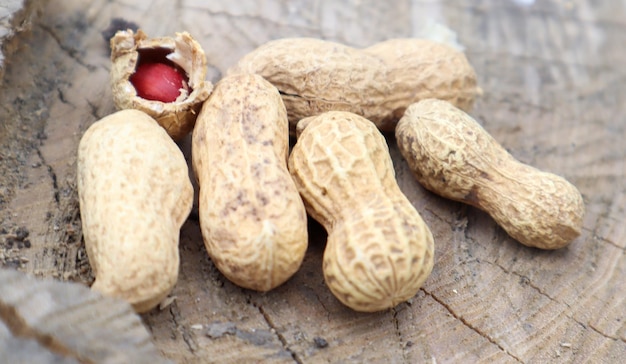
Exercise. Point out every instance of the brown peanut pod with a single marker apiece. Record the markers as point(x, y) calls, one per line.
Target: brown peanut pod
point(181, 57)
point(378, 83)
point(453, 156)
point(379, 250)
point(253, 220)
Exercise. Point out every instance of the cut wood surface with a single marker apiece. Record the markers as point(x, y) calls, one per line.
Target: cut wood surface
point(553, 80)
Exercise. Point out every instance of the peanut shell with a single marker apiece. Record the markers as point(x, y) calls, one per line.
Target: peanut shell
point(379, 250)
point(135, 193)
point(378, 83)
point(178, 117)
point(252, 218)
point(453, 156)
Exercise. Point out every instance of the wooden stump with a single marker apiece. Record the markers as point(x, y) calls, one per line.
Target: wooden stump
point(552, 74)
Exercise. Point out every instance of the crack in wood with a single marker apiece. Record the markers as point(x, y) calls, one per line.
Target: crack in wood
point(606, 214)
point(71, 52)
point(62, 97)
point(605, 239)
point(51, 174)
point(323, 305)
point(438, 217)
point(610, 337)
point(400, 335)
point(470, 326)
point(529, 282)
point(279, 335)
point(93, 111)
point(188, 338)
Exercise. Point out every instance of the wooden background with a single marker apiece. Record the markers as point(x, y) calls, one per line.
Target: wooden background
point(553, 78)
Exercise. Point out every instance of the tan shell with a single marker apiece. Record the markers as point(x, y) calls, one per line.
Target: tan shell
point(135, 193)
point(177, 117)
point(453, 156)
point(378, 83)
point(379, 250)
point(253, 220)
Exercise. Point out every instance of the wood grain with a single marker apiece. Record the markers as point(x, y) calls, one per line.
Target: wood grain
point(552, 75)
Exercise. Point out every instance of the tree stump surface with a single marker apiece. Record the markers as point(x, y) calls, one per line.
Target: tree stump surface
point(553, 80)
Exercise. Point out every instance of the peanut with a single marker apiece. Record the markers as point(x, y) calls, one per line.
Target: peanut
point(253, 220)
point(163, 77)
point(377, 83)
point(158, 82)
point(379, 250)
point(135, 193)
point(453, 156)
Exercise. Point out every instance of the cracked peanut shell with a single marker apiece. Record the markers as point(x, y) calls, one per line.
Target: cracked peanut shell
point(129, 49)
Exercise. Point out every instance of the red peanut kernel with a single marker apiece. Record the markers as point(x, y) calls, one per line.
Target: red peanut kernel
point(158, 82)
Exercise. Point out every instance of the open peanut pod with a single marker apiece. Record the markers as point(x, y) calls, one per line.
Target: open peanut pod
point(163, 77)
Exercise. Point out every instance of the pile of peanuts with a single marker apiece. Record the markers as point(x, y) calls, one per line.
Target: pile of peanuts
point(254, 194)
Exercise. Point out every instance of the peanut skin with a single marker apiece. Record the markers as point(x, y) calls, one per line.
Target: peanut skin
point(135, 193)
point(378, 83)
point(253, 220)
point(453, 156)
point(379, 250)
